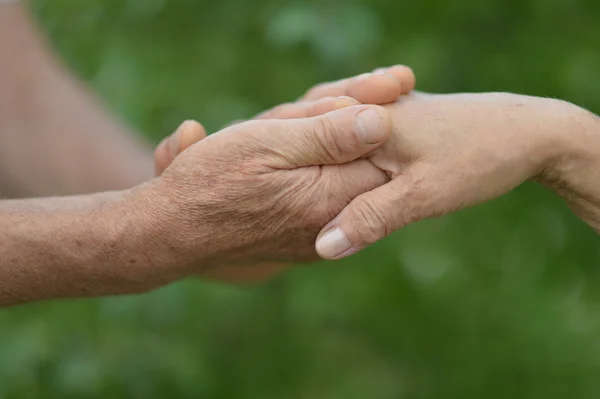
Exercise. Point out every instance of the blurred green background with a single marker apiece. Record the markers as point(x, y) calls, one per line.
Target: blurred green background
point(500, 301)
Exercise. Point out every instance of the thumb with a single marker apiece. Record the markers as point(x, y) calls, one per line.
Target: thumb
point(374, 215)
point(336, 137)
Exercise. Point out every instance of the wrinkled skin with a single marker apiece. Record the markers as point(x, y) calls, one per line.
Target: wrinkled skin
point(250, 193)
point(382, 87)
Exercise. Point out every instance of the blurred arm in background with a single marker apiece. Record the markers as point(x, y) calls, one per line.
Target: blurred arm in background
point(55, 136)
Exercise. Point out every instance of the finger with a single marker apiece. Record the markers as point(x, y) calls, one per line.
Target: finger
point(162, 157)
point(403, 73)
point(352, 179)
point(334, 138)
point(329, 89)
point(349, 181)
point(191, 132)
point(307, 109)
point(368, 88)
point(374, 215)
point(303, 109)
point(378, 88)
point(188, 133)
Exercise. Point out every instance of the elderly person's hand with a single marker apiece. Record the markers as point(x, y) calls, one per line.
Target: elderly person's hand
point(448, 152)
point(255, 192)
point(382, 86)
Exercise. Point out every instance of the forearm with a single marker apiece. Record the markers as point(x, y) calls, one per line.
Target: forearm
point(73, 247)
point(56, 138)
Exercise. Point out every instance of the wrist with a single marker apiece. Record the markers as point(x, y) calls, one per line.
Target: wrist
point(157, 228)
point(573, 172)
point(139, 238)
point(573, 145)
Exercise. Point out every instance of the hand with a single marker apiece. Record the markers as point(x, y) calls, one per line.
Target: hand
point(187, 134)
point(383, 86)
point(257, 192)
point(448, 152)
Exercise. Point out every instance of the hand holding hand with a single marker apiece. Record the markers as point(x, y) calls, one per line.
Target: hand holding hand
point(382, 87)
point(258, 191)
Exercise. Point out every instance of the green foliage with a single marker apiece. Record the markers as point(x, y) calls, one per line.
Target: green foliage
point(495, 302)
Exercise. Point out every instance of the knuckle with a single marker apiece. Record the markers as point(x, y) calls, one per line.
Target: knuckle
point(369, 222)
point(416, 204)
point(374, 220)
point(327, 135)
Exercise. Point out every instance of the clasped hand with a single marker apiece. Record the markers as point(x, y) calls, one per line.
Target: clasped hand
point(346, 175)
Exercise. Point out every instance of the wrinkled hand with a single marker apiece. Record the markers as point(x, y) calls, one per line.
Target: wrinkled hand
point(187, 134)
point(383, 86)
point(448, 152)
point(260, 191)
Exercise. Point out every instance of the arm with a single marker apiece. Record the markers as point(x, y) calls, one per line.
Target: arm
point(72, 247)
point(94, 245)
point(55, 137)
point(190, 220)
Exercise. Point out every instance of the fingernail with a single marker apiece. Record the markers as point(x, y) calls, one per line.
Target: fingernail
point(332, 244)
point(386, 74)
point(370, 126)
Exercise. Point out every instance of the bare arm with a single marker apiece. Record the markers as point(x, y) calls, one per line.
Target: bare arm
point(55, 137)
point(189, 220)
point(72, 247)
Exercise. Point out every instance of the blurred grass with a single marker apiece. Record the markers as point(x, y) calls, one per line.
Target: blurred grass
point(500, 301)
